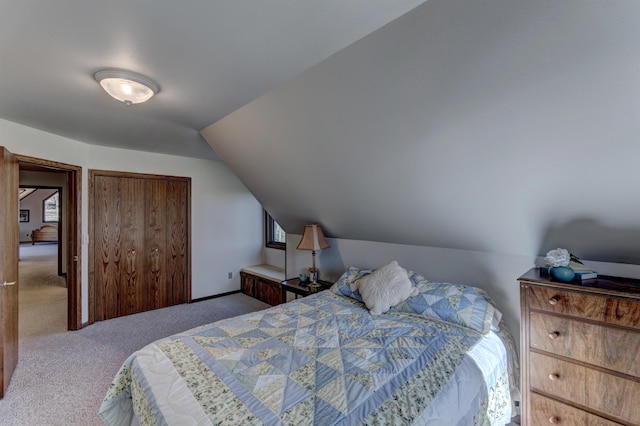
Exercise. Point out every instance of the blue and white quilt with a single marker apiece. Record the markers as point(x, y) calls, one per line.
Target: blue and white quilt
point(320, 360)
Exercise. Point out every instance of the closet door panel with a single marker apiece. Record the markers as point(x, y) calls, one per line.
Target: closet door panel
point(119, 236)
point(139, 243)
point(132, 212)
point(108, 233)
point(177, 242)
point(156, 244)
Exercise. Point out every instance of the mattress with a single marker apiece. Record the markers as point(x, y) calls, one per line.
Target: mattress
point(320, 360)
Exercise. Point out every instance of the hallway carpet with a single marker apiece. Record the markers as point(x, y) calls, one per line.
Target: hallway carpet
point(62, 376)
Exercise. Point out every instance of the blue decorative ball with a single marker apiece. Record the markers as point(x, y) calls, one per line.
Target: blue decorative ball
point(562, 273)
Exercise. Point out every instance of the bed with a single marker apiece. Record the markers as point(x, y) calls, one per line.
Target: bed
point(44, 234)
point(327, 359)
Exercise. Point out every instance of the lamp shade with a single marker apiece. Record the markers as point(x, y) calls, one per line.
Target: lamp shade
point(313, 239)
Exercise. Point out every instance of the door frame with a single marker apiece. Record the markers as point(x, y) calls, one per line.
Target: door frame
point(9, 344)
point(73, 234)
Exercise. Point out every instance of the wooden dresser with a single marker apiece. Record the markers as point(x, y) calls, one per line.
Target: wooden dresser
point(580, 351)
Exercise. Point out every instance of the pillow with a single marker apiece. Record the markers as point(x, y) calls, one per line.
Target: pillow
point(385, 288)
point(464, 305)
point(346, 284)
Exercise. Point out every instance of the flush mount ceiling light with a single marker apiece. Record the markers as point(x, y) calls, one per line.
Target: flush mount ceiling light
point(126, 86)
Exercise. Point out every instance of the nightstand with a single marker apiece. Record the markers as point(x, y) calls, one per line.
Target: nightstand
point(293, 285)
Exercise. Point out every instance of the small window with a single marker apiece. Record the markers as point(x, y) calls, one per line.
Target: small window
point(275, 237)
point(51, 208)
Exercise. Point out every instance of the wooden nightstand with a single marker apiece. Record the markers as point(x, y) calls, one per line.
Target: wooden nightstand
point(293, 285)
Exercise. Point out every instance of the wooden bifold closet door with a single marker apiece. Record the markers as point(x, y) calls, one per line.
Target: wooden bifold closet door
point(119, 246)
point(140, 243)
point(166, 241)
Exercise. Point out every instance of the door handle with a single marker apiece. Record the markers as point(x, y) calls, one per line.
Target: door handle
point(6, 284)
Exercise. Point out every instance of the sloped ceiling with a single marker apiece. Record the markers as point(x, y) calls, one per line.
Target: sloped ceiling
point(502, 126)
point(209, 58)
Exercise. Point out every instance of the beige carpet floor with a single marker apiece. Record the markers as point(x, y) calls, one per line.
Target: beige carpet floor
point(62, 376)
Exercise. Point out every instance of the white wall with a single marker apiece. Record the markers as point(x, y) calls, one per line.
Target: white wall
point(274, 257)
point(506, 127)
point(470, 137)
point(226, 219)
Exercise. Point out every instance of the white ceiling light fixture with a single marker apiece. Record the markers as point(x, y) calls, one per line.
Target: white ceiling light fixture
point(126, 86)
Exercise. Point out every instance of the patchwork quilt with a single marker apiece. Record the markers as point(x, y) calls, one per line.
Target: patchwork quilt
point(320, 360)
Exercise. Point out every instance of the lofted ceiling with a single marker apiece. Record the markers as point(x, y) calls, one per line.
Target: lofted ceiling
point(209, 58)
point(496, 126)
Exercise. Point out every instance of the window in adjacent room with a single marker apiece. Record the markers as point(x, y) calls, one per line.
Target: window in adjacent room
point(275, 237)
point(51, 208)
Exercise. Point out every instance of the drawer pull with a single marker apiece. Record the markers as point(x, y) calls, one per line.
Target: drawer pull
point(554, 376)
point(554, 420)
point(553, 301)
point(554, 334)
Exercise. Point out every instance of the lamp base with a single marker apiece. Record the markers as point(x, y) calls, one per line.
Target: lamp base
point(314, 287)
point(313, 275)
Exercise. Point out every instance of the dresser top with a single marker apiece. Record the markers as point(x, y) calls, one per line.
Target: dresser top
point(619, 286)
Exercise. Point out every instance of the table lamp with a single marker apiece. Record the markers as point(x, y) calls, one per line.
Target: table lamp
point(313, 239)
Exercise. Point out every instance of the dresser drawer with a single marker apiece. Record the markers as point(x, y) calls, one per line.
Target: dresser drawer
point(555, 377)
point(613, 348)
point(548, 411)
point(599, 391)
point(584, 305)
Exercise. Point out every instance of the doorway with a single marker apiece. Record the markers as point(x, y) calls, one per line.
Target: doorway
point(38, 222)
point(42, 293)
point(69, 238)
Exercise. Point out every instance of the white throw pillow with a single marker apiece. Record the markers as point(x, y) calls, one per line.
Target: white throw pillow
point(386, 287)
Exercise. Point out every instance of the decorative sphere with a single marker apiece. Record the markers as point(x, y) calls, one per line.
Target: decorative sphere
point(562, 273)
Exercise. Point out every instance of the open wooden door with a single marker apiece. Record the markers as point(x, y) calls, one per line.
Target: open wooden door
point(9, 246)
